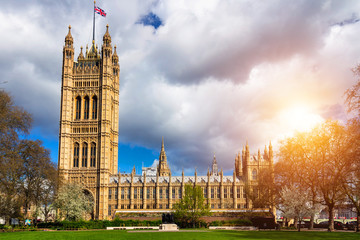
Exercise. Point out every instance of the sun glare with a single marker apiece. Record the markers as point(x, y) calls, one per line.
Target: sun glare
point(299, 118)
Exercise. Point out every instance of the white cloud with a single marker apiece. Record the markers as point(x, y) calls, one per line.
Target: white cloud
point(217, 73)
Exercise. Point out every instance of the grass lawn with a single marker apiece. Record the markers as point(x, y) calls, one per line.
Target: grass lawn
point(182, 235)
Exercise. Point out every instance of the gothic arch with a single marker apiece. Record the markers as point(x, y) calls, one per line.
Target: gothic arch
point(93, 154)
point(94, 107)
point(91, 199)
point(78, 108)
point(86, 107)
point(254, 174)
point(76, 154)
point(84, 154)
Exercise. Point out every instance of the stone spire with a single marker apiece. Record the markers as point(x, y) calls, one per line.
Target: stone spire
point(69, 39)
point(271, 154)
point(107, 37)
point(81, 55)
point(266, 154)
point(68, 50)
point(115, 57)
point(93, 51)
point(133, 172)
point(214, 167)
point(163, 168)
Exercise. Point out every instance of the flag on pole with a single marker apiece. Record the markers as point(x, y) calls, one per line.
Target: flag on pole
point(100, 11)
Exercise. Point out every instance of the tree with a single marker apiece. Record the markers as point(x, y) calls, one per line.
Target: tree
point(48, 193)
point(296, 204)
point(10, 183)
point(295, 167)
point(72, 202)
point(352, 95)
point(191, 207)
point(319, 162)
point(26, 171)
point(39, 174)
point(13, 121)
point(352, 184)
point(332, 146)
point(262, 192)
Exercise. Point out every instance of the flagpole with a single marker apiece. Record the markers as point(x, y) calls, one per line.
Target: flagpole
point(94, 23)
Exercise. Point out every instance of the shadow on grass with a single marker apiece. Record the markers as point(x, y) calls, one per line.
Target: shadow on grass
point(290, 235)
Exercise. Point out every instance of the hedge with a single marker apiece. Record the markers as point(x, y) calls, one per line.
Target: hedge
point(96, 224)
point(237, 222)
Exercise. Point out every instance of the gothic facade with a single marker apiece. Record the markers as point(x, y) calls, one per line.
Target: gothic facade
point(88, 146)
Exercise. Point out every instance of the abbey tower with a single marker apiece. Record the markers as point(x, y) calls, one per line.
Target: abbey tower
point(88, 139)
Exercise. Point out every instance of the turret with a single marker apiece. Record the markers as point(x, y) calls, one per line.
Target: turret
point(81, 55)
point(107, 38)
point(106, 47)
point(271, 156)
point(266, 153)
point(163, 168)
point(115, 57)
point(246, 161)
point(238, 165)
point(214, 167)
point(69, 39)
point(68, 50)
point(247, 151)
point(133, 172)
point(243, 154)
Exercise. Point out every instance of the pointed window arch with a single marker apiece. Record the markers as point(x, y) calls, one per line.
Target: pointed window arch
point(94, 107)
point(78, 108)
point(93, 155)
point(84, 154)
point(254, 175)
point(86, 107)
point(76, 155)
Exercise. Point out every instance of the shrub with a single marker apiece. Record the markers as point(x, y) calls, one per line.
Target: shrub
point(236, 222)
point(96, 224)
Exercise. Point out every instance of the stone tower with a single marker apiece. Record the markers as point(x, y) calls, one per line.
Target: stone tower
point(214, 168)
point(88, 138)
point(163, 168)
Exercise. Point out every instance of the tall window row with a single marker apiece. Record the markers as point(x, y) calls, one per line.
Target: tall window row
point(85, 103)
point(84, 155)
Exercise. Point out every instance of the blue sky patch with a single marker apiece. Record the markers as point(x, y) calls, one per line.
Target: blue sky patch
point(150, 19)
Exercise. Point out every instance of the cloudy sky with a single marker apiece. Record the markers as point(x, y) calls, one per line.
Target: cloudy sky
point(207, 75)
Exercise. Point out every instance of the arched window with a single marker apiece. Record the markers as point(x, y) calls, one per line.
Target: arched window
point(86, 107)
point(254, 175)
point(94, 107)
point(92, 155)
point(78, 108)
point(84, 155)
point(76, 155)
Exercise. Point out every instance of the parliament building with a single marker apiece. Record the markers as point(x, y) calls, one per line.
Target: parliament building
point(88, 146)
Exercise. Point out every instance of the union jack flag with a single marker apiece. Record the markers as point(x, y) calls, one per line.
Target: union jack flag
point(100, 11)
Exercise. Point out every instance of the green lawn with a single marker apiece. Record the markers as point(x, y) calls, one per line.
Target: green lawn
point(182, 235)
